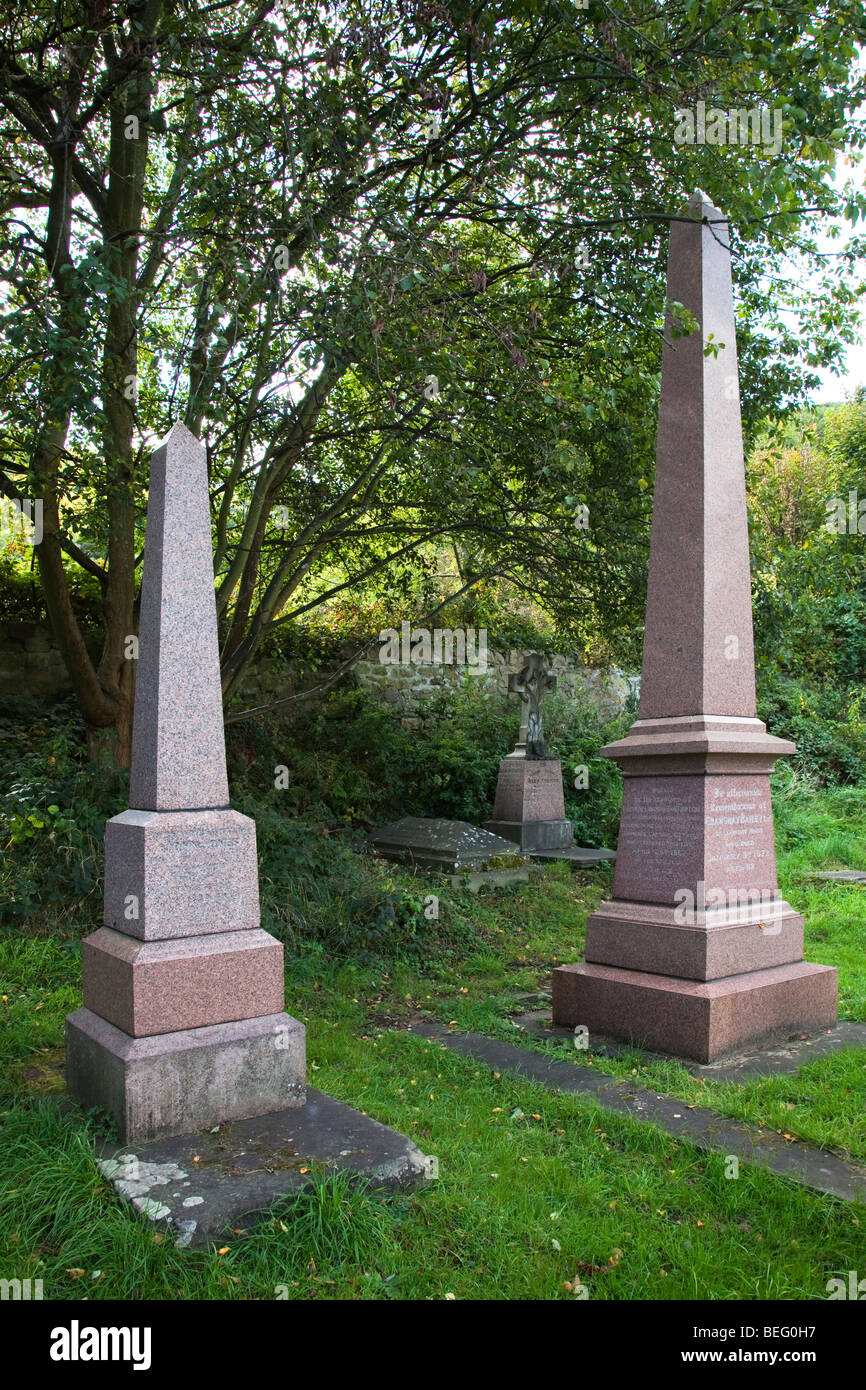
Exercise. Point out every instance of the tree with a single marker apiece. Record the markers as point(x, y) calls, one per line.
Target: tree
point(401, 266)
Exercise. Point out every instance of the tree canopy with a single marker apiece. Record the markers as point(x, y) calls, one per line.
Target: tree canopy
point(401, 266)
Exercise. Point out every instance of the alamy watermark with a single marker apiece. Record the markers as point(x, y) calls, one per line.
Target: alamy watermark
point(759, 126)
point(726, 905)
point(77, 1343)
point(444, 646)
point(16, 1289)
point(855, 1288)
point(846, 518)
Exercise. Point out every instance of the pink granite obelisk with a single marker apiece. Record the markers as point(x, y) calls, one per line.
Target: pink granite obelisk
point(183, 1024)
point(696, 954)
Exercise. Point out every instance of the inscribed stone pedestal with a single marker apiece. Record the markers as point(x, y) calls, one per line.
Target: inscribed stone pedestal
point(696, 953)
point(530, 807)
point(183, 1023)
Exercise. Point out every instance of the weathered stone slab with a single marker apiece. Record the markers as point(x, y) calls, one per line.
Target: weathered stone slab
point(576, 855)
point(439, 844)
point(203, 1185)
point(762, 1146)
point(842, 876)
point(177, 1083)
point(180, 873)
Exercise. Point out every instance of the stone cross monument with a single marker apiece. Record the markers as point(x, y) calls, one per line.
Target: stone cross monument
point(183, 1025)
point(530, 806)
point(531, 683)
point(696, 954)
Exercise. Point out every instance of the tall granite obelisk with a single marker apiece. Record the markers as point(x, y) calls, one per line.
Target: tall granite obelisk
point(183, 1024)
point(696, 954)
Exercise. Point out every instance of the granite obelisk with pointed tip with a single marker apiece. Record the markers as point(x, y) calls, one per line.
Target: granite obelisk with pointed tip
point(696, 954)
point(178, 751)
point(183, 1024)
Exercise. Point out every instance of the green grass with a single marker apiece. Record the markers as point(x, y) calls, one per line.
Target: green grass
point(537, 1188)
point(525, 1204)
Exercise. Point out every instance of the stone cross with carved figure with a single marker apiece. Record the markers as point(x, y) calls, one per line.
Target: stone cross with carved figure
point(532, 683)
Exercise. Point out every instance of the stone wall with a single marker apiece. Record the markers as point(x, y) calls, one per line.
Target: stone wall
point(30, 664)
point(406, 686)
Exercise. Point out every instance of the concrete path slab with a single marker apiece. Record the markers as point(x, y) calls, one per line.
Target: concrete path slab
point(842, 876)
point(812, 1167)
point(778, 1060)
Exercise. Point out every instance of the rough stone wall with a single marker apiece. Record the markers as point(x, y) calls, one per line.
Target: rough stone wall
point(405, 687)
point(30, 664)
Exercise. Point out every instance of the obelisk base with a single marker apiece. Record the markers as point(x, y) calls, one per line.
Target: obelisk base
point(531, 835)
point(734, 941)
point(177, 1083)
point(700, 1020)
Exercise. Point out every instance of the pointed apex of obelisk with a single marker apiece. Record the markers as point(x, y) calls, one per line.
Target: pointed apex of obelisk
point(178, 746)
point(179, 434)
point(702, 204)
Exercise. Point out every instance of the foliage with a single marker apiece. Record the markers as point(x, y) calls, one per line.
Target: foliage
point(51, 817)
point(281, 223)
point(810, 587)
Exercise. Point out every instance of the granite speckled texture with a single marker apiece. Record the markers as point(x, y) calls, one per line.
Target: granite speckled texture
point(182, 1024)
point(699, 1020)
point(178, 749)
point(529, 807)
point(148, 987)
point(529, 789)
point(189, 872)
point(696, 954)
point(177, 1083)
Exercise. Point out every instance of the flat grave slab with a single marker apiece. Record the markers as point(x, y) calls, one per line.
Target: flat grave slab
point(576, 855)
point(436, 843)
point(778, 1060)
point(765, 1148)
point(842, 876)
point(204, 1187)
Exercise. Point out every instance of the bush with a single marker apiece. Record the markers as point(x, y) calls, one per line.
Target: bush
point(52, 817)
point(312, 788)
point(454, 763)
point(825, 722)
point(575, 732)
